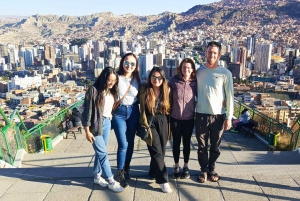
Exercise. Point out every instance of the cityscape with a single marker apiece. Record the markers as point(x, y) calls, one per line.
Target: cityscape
point(39, 77)
point(51, 52)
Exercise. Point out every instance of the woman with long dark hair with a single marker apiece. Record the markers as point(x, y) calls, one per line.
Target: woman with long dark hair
point(184, 90)
point(96, 120)
point(126, 115)
point(154, 108)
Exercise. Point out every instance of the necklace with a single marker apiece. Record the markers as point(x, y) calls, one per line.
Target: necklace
point(156, 93)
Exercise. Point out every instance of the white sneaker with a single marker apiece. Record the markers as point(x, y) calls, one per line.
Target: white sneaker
point(116, 187)
point(166, 188)
point(101, 182)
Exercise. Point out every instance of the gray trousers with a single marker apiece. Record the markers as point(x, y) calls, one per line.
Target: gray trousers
point(209, 126)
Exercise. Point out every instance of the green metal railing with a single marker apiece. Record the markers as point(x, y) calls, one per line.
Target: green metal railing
point(289, 136)
point(16, 136)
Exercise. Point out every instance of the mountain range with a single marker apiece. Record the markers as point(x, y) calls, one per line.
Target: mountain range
point(37, 29)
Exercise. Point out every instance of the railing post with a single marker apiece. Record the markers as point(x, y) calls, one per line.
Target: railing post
point(271, 123)
point(240, 107)
point(297, 140)
point(7, 145)
point(1, 155)
point(5, 117)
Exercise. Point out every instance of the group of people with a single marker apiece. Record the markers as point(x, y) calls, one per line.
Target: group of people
point(202, 99)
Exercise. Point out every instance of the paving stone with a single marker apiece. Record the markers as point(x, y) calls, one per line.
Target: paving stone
point(22, 186)
point(105, 194)
point(73, 184)
point(148, 190)
point(23, 196)
point(5, 184)
point(277, 187)
point(68, 195)
point(191, 189)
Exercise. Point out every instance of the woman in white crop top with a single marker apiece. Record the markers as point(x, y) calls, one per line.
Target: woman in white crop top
point(126, 115)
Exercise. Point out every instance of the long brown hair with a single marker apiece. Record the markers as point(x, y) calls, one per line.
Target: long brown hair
point(101, 85)
point(136, 72)
point(164, 93)
point(186, 60)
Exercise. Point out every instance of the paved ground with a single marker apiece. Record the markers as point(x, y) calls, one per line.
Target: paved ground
point(249, 172)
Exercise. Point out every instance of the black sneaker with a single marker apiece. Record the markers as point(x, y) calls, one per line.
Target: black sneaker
point(185, 173)
point(127, 174)
point(121, 179)
point(176, 172)
point(127, 171)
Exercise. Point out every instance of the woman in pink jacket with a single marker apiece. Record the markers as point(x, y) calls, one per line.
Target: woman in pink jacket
point(184, 90)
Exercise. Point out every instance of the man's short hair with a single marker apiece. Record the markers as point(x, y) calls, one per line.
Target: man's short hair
point(215, 44)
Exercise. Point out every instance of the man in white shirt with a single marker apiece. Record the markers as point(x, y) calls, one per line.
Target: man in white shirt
point(214, 109)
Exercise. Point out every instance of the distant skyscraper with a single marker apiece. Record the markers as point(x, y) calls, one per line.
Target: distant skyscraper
point(253, 48)
point(263, 57)
point(98, 48)
point(235, 51)
point(145, 64)
point(161, 48)
point(28, 56)
point(170, 65)
point(82, 53)
point(249, 45)
point(242, 56)
point(123, 47)
point(49, 54)
point(159, 59)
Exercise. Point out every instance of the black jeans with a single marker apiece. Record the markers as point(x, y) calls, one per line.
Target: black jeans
point(159, 129)
point(209, 126)
point(182, 129)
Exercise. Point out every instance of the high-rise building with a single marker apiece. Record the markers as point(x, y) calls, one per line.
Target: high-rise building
point(253, 48)
point(145, 64)
point(263, 57)
point(3, 50)
point(161, 48)
point(98, 48)
point(49, 54)
point(249, 45)
point(236, 69)
point(242, 56)
point(160, 59)
point(170, 65)
point(234, 57)
point(123, 47)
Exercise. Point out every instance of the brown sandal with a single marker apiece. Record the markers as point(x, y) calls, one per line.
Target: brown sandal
point(202, 177)
point(214, 176)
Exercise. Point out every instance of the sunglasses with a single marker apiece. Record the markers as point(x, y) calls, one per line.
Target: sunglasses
point(214, 43)
point(126, 63)
point(158, 78)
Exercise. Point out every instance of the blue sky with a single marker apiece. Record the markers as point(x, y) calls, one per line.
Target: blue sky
point(88, 7)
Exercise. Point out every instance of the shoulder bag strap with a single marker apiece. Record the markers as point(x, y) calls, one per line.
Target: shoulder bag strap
point(120, 101)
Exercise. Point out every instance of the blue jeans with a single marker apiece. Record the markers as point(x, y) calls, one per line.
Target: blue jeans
point(101, 162)
point(125, 121)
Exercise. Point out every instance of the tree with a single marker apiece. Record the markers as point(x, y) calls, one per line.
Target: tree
point(79, 41)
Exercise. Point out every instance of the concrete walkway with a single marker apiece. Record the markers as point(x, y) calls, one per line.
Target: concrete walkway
point(248, 172)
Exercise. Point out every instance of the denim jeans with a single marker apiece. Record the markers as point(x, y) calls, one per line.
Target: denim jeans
point(101, 162)
point(125, 121)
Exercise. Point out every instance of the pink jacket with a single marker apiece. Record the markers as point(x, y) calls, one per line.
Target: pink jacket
point(183, 97)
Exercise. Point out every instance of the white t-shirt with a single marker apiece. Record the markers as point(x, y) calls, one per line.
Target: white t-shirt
point(131, 96)
point(108, 104)
point(214, 86)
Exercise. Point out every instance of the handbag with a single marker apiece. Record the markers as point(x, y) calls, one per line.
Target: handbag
point(117, 103)
point(142, 131)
